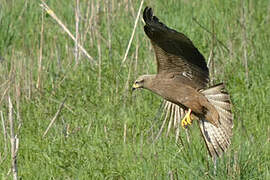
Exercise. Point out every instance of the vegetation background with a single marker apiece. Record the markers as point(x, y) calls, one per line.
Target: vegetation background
point(102, 131)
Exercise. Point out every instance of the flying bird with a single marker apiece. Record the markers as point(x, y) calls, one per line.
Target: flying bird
point(182, 78)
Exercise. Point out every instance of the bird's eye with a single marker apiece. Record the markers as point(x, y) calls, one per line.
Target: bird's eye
point(136, 82)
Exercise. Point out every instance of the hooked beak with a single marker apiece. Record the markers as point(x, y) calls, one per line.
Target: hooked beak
point(134, 87)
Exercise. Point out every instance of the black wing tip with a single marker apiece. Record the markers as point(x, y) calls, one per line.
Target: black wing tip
point(147, 14)
point(149, 18)
point(151, 21)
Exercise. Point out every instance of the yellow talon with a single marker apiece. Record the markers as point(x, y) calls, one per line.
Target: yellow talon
point(187, 119)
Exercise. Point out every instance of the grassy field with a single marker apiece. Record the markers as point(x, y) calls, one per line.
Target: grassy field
point(103, 131)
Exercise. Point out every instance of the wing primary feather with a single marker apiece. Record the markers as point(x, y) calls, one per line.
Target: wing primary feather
point(174, 51)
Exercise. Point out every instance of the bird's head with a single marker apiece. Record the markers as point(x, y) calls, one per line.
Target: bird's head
point(142, 82)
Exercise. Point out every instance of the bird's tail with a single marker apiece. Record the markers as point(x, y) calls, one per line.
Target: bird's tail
point(218, 139)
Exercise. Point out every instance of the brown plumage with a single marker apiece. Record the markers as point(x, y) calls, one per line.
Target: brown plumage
point(182, 78)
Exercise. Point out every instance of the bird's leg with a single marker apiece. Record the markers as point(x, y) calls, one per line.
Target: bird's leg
point(187, 119)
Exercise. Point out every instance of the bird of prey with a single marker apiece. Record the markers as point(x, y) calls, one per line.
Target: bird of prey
point(182, 78)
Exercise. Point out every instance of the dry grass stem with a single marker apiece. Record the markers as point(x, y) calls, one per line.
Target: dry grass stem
point(245, 42)
point(99, 65)
point(108, 16)
point(86, 26)
point(99, 56)
point(18, 97)
point(14, 142)
point(136, 58)
point(4, 93)
point(128, 79)
point(105, 132)
point(187, 134)
point(210, 58)
point(170, 173)
point(29, 81)
point(90, 6)
point(211, 62)
point(125, 132)
point(40, 52)
point(89, 127)
point(3, 157)
point(52, 14)
point(77, 19)
point(133, 32)
point(55, 117)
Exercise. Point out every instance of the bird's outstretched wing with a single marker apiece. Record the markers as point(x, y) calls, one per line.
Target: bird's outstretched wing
point(175, 53)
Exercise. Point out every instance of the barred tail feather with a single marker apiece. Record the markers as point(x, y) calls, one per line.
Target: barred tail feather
point(218, 139)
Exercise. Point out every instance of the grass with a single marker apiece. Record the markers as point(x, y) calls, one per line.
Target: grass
point(87, 139)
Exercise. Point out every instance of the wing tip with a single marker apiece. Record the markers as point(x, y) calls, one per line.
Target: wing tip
point(152, 22)
point(147, 14)
point(149, 18)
